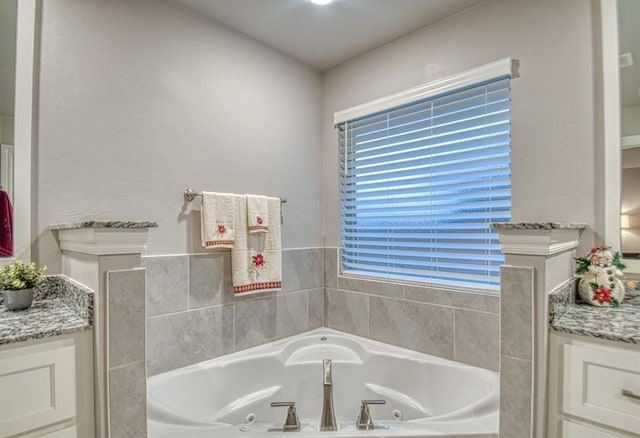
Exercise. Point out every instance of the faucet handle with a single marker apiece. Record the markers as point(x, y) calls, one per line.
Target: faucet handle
point(364, 421)
point(292, 423)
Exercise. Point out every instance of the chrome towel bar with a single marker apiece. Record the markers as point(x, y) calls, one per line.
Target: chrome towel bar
point(190, 195)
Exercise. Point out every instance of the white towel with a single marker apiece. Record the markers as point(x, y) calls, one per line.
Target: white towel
point(256, 259)
point(257, 214)
point(218, 215)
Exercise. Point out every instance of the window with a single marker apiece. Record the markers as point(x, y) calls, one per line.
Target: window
point(421, 182)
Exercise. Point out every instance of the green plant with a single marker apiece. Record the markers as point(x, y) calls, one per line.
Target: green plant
point(18, 275)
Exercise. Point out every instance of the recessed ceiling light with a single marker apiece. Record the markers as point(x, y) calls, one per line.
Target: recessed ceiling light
point(321, 2)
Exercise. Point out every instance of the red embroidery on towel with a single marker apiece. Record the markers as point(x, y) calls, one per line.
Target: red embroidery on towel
point(259, 220)
point(221, 229)
point(257, 286)
point(258, 260)
point(258, 227)
point(218, 242)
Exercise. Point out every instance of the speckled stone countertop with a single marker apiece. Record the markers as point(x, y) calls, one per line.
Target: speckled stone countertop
point(538, 225)
point(60, 306)
point(620, 324)
point(103, 224)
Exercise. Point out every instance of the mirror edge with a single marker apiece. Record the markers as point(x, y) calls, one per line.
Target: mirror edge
point(611, 122)
point(611, 129)
point(24, 127)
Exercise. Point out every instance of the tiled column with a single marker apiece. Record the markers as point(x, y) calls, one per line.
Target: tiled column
point(539, 258)
point(106, 257)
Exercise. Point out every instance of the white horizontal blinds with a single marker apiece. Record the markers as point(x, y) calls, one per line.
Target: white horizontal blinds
point(420, 184)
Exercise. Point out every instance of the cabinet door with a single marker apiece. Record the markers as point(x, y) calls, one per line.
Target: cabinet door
point(38, 386)
point(594, 381)
point(574, 430)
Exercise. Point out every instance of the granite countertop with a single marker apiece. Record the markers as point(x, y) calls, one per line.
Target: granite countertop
point(103, 224)
point(538, 225)
point(60, 306)
point(620, 324)
point(43, 319)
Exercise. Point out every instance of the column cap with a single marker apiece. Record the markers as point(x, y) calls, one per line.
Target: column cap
point(538, 238)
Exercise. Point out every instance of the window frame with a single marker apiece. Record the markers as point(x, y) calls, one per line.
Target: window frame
point(505, 68)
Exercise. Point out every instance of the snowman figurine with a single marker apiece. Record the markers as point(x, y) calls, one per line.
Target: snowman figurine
point(601, 283)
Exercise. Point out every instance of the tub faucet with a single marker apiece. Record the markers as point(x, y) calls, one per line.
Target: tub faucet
point(328, 419)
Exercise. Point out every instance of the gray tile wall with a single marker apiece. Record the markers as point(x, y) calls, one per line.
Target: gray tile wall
point(126, 361)
point(460, 326)
point(192, 314)
point(516, 386)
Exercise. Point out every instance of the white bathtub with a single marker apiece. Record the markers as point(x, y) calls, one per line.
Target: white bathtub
point(435, 397)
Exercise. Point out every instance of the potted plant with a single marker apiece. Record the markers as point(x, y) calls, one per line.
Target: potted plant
point(17, 281)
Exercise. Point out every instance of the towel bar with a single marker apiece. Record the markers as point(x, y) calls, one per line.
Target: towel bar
point(190, 195)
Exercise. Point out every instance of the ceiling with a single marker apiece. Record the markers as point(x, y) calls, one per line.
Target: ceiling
point(324, 36)
point(629, 30)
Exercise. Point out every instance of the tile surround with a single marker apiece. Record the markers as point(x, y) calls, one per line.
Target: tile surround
point(346, 311)
point(417, 326)
point(167, 284)
point(193, 315)
point(184, 338)
point(473, 329)
point(515, 397)
point(126, 326)
point(517, 322)
point(400, 314)
point(128, 401)
point(186, 291)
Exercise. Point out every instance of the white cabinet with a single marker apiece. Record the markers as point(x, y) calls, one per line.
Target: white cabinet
point(594, 388)
point(576, 430)
point(38, 389)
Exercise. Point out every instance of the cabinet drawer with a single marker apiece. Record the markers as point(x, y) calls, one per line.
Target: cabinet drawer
point(594, 380)
point(38, 386)
point(574, 430)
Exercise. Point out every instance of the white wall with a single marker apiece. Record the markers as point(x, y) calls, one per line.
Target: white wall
point(553, 102)
point(142, 99)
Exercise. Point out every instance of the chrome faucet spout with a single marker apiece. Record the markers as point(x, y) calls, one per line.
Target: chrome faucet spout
point(328, 419)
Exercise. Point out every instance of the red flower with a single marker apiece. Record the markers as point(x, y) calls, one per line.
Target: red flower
point(594, 250)
point(259, 220)
point(258, 260)
point(221, 229)
point(602, 294)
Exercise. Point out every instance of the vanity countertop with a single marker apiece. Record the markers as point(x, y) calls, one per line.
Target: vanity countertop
point(43, 319)
point(60, 306)
point(616, 324)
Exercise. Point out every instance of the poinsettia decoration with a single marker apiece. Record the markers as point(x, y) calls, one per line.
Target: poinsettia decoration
point(603, 295)
point(257, 265)
point(221, 230)
point(259, 220)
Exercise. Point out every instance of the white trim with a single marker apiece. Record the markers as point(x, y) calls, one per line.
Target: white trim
point(504, 67)
point(538, 242)
point(23, 137)
point(104, 241)
point(630, 141)
point(611, 123)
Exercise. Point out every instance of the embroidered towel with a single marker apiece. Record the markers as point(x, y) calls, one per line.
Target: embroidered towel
point(218, 219)
point(257, 214)
point(256, 259)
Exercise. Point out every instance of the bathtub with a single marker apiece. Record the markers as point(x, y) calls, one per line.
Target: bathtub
point(230, 396)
